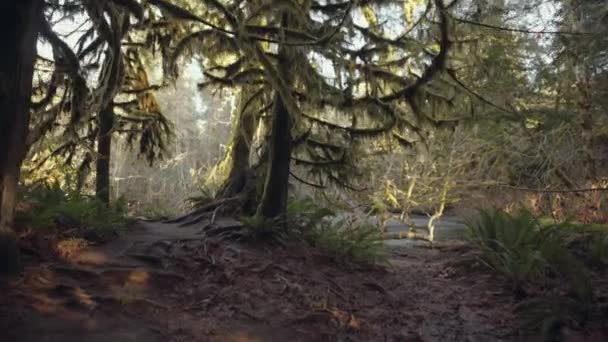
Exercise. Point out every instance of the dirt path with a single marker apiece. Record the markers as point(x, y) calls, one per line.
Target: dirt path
point(161, 282)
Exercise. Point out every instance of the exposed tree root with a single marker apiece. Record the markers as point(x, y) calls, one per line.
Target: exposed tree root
point(222, 231)
point(236, 197)
point(203, 212)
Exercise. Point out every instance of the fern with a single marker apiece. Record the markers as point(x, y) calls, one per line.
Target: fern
point(343, 239)
point(349, 240)
point(304, 214)
point(48, 206)
point(259, 227)
point(509, 244)
point(522, 249)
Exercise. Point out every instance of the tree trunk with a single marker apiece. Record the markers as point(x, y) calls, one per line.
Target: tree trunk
point(235, 166)
point(104, 150)
point(276, 185)
point(19, 22)
point(274, 198)
point(110, 79)
point(587, 122)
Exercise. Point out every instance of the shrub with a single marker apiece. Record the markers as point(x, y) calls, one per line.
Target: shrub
point(526, 251)
point(258, 227)
point(598, 248)
point(304, 214)
point(590, 242)
point(349, 239)
point(346, 239)
point(48, 206)
point(509, 244)
point(522, 249)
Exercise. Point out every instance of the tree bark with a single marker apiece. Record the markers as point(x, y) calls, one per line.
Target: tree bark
point(274, 196)
point(587, 123)
point(19, 27)
point(111, 79)
point(236, 163)
point(104, 151)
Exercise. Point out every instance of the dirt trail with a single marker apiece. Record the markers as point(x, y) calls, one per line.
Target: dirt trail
point(161, 282)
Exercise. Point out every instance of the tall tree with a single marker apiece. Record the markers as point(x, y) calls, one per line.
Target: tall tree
point(120, 101)
point(19, 27)
point(274, 197)
point(110, 80)
point(580, 67)
point(327, 81)
point(233, 172)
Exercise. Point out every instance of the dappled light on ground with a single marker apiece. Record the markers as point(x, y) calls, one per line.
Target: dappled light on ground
point(139, 277)
point(169, 282)
point(164, 282)
point(92, 257)
point(69, 247)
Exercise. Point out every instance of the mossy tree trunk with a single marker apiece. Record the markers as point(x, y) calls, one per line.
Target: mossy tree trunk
point(19, 27)
point(235, 166)
point(587, 124)
point(111, 79)
point(274, 196)
point(104, 150)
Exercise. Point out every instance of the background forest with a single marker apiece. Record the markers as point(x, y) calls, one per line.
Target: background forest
point(328, 120)
point(515, 108)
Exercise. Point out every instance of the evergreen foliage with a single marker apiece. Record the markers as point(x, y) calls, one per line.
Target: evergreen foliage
point(347, 239)
point(519, 247)
point(349, 82)
point(96, 88)
point(526, 252)
point(51, 208)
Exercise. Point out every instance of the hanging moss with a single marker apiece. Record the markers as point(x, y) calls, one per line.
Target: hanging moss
point(378, 92)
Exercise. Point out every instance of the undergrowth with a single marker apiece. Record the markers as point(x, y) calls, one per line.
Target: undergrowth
point(345, 239)
point(49, 206)
point(349, 239)
point(548, 259)
point(519, 247)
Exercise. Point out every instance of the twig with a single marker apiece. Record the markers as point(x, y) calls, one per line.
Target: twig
point(549, 190)
point(509, 29)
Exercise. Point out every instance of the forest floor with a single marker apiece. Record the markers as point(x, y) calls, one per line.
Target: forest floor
point(161, 282)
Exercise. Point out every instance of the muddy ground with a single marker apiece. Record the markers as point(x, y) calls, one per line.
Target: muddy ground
point(161, 282)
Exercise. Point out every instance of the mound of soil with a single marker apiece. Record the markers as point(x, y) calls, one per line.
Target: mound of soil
point(162, 282)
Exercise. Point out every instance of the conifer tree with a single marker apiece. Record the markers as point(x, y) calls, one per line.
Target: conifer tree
point(121, 100)
point(19, 22)
point(337, 81)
